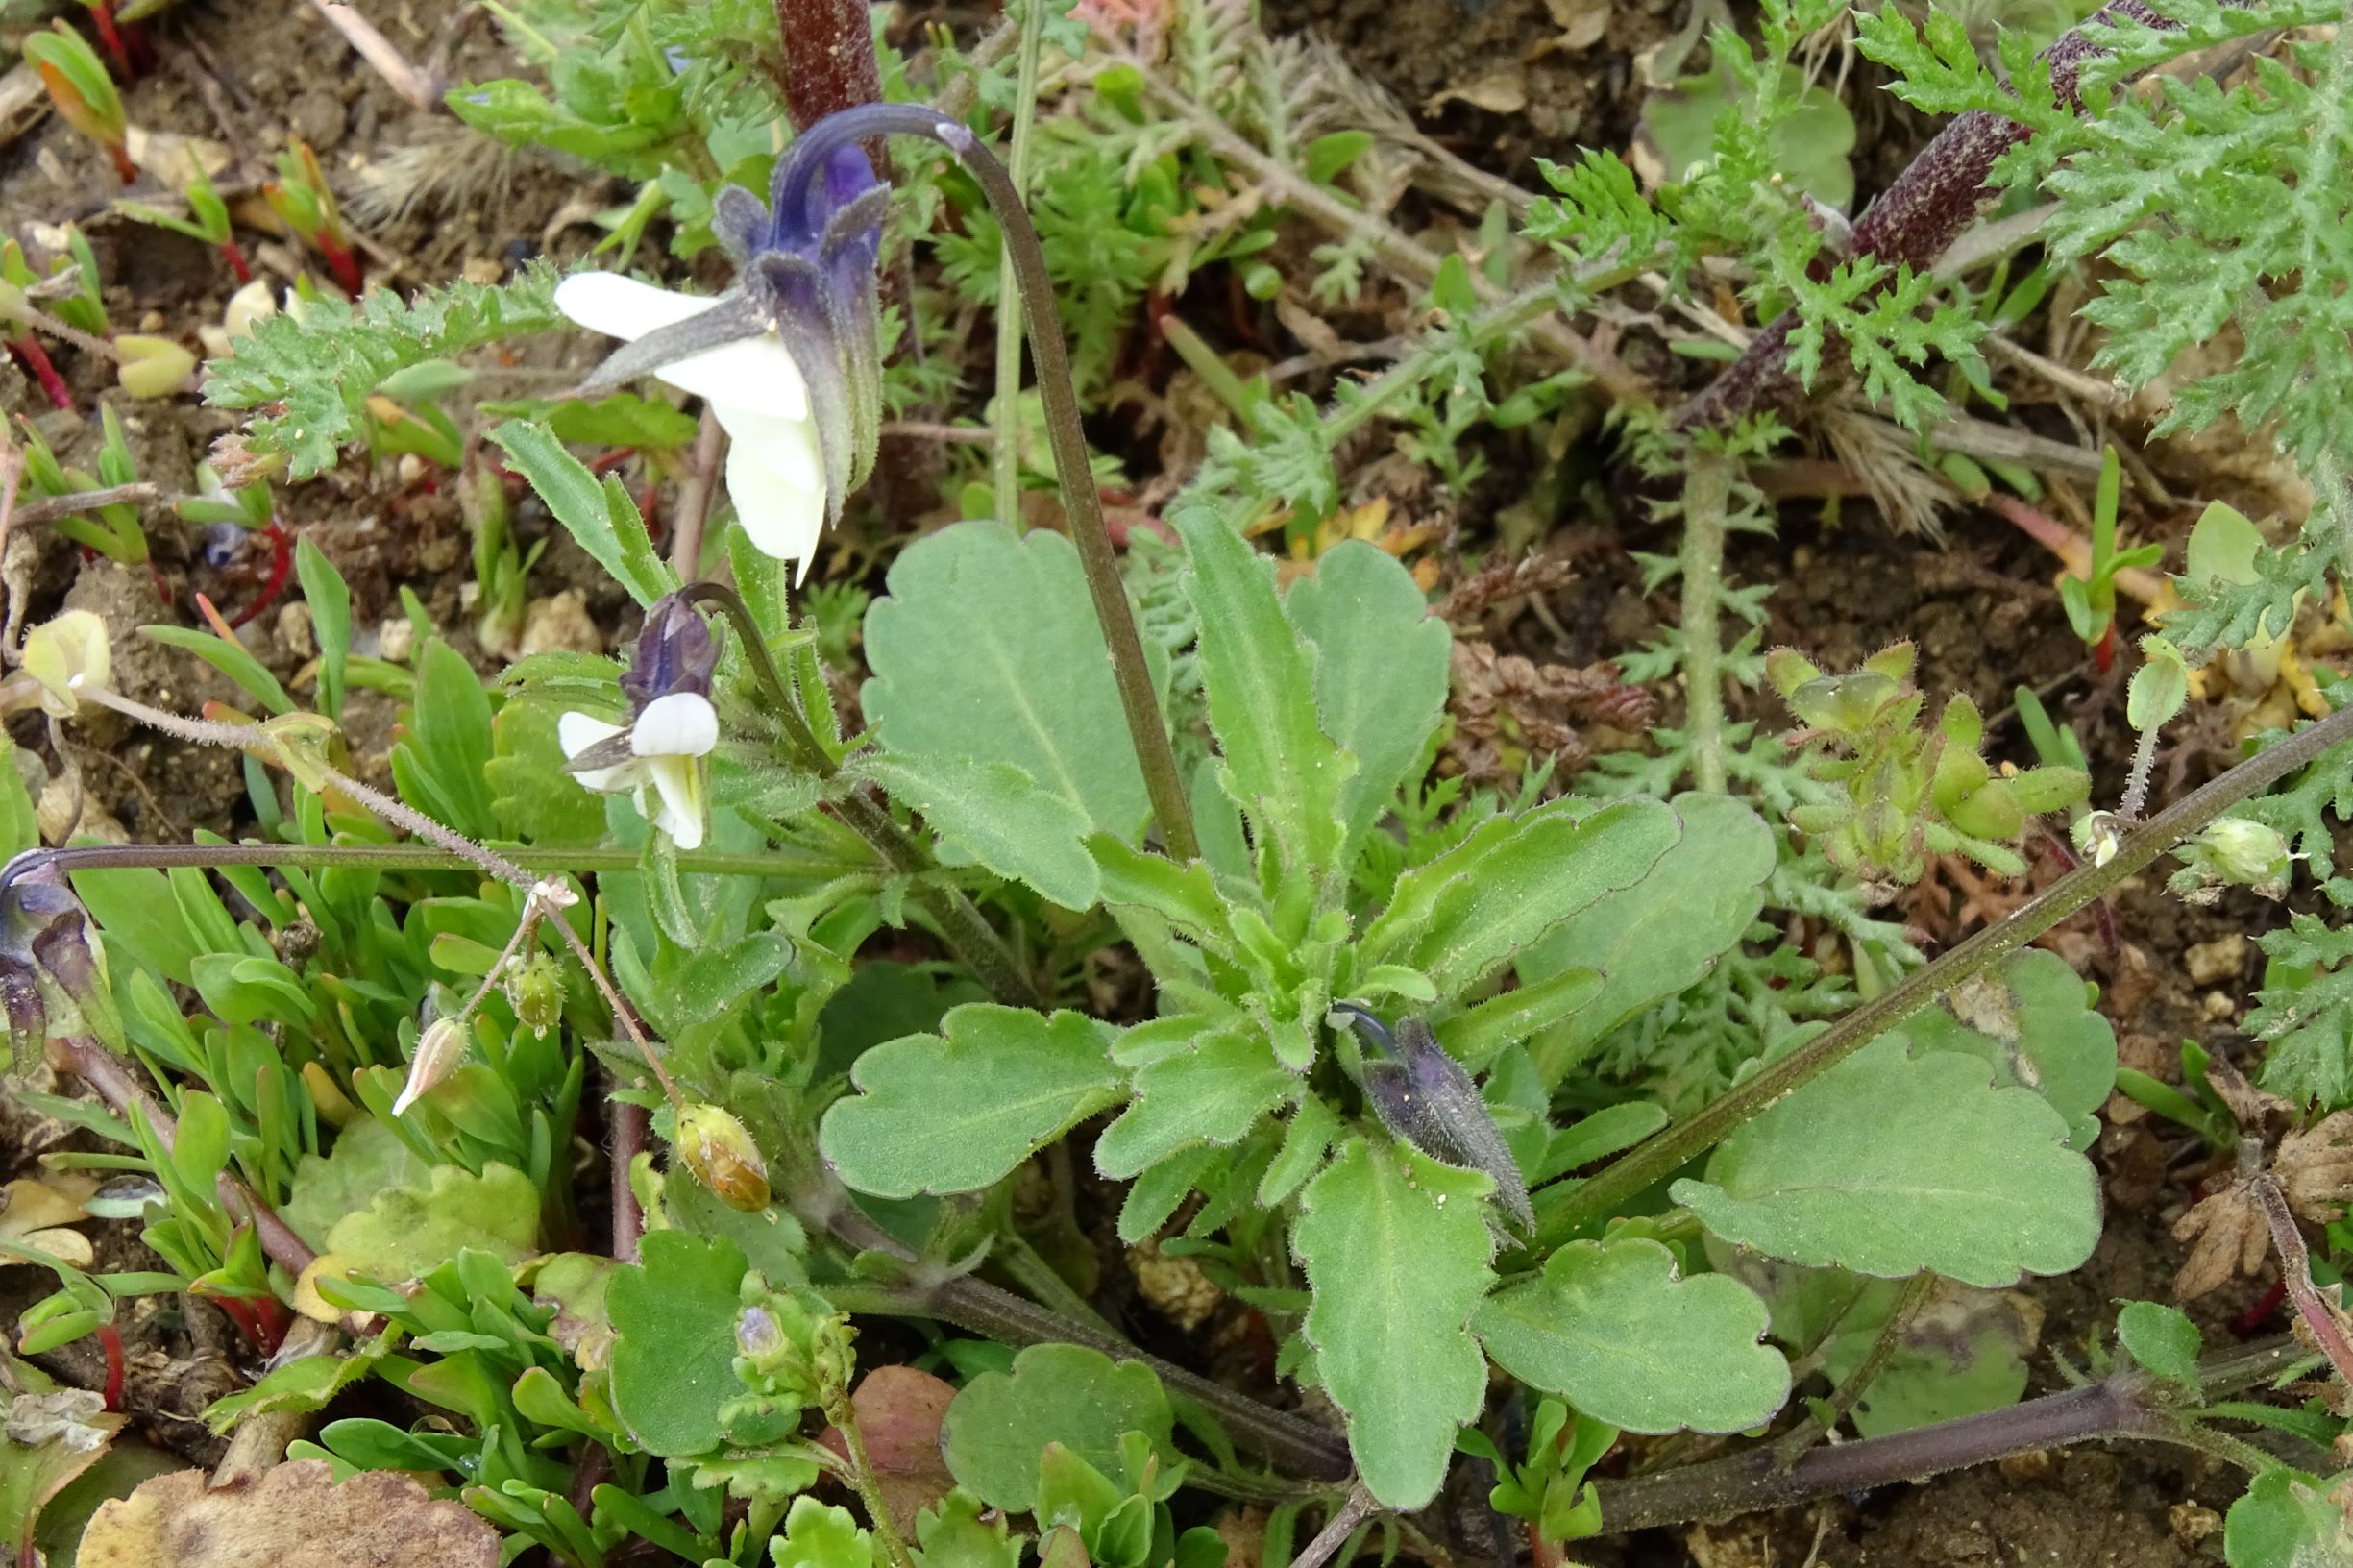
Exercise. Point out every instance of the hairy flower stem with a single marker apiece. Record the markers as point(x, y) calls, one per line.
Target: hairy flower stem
point(929, 1290)
point(962, 926)
point(1050, 358)
point(830, 60)
point(1655, 1159)
point(2124, 1404)
point(1706, 494)
point(1005, 459)
point(1938, 194)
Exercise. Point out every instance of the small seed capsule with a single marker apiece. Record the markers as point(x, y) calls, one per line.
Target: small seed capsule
point(723, 1157)
point(439, 1050)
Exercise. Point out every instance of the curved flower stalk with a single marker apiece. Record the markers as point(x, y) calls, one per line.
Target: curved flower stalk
point(788, 358)
point(673, 727)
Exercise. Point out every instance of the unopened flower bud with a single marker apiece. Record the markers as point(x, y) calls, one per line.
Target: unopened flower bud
point(2098, 834)
point(67, 655)
point(723, 1157)
point(2232, 851)
point(757, 1338)
point(535, 989)
point(439, 1050)
point(1425, 1097)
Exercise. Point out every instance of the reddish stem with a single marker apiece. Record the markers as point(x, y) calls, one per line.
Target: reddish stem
point(103, 16)
point(37, 359)
point(2249, 1323)
point(611, 460)
point(281, 567)
point(111, 1338)
point(2103, 651)
point(2296, 1274)
point(343, 265)
point(237, 261)
point(122, 166)
point(828, 60)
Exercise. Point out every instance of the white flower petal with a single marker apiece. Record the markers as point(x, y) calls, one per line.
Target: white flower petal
point(679, 783)
point(788, 445)
point(755, 373)
point(575, 733)
point(680, 724)
point(780, 519)
point(624, 308)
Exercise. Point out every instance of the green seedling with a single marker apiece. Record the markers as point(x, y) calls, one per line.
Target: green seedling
point(82, 92)
point(300, 196)
point(2090, 601)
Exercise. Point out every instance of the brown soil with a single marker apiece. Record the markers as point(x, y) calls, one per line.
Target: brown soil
point(1981, 609)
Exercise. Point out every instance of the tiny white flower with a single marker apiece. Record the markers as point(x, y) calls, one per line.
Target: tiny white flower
point(665, 747)
point(775, 470)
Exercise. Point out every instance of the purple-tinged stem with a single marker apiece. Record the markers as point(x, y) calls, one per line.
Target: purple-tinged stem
point(2296, 1271)
point(1938, 195)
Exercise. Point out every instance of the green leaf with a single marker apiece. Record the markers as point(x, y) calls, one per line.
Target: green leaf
point(410, 1230)
point(1464, 914)
point(306, 1384)
point(1279, 766)
point(1889, 1163)
point(822, 1535)
point(536, 801)
point(368, 1158)
point(2162, 1338)
point(314, 374)
point(33, 1472)
point(621, 419)
point(1381, 669)
point(1000, 1422)
point(1963, 1353)
point(998, 814)
point(951, 1534)
point(2286, 1520)
point(1610, 1328)
point(987, 649)
point(1663, 933)
point(600, 517)
point(330, 619)
point(19, 827)
point(2033, 1020)
point(1810, 146)
point(673, 1315)
point(1212, 1092)
point(444, 768)
point(955, 1112)
point(1396, 1251)
point(230, 659)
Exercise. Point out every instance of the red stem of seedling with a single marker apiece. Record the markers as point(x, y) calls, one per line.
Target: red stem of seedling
point(343, 265)
point(610, 461)
point(237, 261)
point(2103, 651)
point(111, 1338)
point(122, 166)
point(103, 16)
point(281, 566)
point(37, 359)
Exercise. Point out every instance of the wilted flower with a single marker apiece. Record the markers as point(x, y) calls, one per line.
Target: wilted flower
point(673, 726)
point(788, 358)
point(52, 972)
point(439, 1050)
point(1424, 1096)
point(67, 655)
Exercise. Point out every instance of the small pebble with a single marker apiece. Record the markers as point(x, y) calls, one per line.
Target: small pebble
point(2219, 1007)
point(396, 638)
point(2212, 962)
point(561, 621)
point(294, 630)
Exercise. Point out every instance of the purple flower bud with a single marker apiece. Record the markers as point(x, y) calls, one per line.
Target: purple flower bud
point(1423, 1096)
point(50, 966)
point(674, 653)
